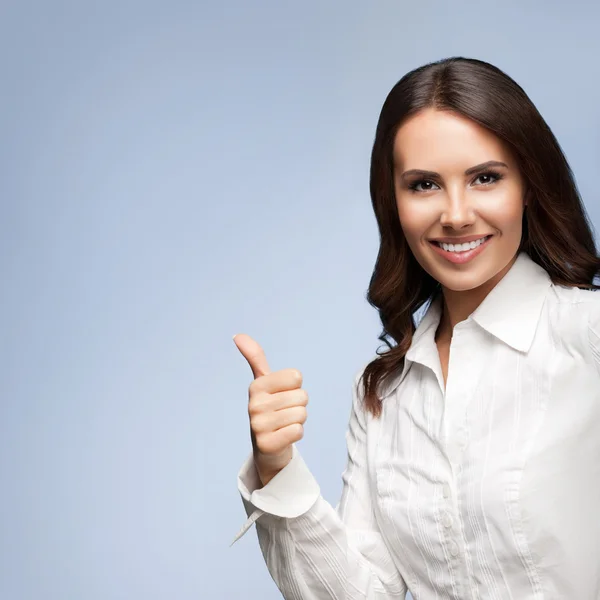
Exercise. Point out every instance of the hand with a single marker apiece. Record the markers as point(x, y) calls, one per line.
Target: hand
point(276, 407)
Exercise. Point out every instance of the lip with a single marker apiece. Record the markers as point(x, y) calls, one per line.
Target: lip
point(461, 257)
point(460, 240)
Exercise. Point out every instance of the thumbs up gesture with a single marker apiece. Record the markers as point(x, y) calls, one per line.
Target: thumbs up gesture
point(276, 407)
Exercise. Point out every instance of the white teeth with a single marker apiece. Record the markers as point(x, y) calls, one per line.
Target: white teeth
point(462, 247)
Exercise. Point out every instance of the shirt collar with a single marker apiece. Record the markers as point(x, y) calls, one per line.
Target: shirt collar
point(510, 312)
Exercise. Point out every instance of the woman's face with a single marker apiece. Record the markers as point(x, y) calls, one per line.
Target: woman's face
point(457, 183)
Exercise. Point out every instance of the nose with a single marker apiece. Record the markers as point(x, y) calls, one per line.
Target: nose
point(458, 211)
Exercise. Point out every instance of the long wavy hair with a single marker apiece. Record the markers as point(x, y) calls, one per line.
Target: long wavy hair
point(557, 233)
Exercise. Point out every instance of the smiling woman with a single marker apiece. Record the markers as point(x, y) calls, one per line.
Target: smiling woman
point(461, 154)
point(470, 193)
point(473, 449)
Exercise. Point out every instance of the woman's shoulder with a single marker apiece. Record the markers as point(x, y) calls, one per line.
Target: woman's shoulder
point(575, 313)
point(576, 300)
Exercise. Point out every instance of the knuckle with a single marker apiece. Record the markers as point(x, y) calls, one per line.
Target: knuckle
point(258, 403)
point(303, 397)
point(252, 388)
point(258, 385)
point(257, 424)
point(299, 415)
point(294, 376)
point(261, 445)
point(298, 431)
point(253, 408)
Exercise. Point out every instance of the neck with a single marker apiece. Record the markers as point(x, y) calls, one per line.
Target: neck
point(458, 305)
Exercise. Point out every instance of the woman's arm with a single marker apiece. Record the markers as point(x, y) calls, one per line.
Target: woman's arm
point(312, 550)
point(594, 327)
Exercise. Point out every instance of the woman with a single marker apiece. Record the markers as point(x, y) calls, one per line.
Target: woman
point(474, 441)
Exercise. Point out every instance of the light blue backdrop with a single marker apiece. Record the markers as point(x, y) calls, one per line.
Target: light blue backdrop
point(173, 173)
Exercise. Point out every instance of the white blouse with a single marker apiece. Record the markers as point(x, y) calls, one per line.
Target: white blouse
point(489, 488)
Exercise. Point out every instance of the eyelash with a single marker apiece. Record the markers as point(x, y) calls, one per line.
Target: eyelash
point(496, 177)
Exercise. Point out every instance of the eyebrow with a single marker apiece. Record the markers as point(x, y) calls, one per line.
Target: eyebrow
point(476, 169)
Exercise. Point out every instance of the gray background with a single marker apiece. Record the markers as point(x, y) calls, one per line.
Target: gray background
point(173, 173)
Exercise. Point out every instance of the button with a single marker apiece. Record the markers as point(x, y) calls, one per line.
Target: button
point(447, 520)
point(446, 491)
point(454, 548)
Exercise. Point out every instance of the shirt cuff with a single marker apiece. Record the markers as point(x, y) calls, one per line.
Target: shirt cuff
point(291, 493)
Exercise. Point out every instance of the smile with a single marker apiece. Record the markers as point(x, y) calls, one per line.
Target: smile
point(461, 253)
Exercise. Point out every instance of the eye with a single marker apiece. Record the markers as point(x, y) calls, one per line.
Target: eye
point(423, 185)
point(488, 178)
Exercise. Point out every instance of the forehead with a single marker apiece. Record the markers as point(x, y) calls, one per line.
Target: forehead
point(437, 140)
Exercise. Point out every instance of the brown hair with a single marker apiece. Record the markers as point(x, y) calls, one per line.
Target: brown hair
point(556, 231)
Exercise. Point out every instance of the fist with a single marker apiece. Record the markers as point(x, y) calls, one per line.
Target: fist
point(276, 408)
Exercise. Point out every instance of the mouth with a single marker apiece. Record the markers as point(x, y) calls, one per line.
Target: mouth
point(461, 253)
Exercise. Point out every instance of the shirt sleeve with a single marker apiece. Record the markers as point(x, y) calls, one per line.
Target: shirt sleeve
point(312, 550)
point(594, 329)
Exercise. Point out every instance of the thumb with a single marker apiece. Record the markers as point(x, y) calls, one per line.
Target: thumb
point(253, 353)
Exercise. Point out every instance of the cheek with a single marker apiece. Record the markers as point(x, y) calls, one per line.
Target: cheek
point(414, 219)
point(504, 211)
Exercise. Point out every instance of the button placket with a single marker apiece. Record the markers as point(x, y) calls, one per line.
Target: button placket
point(464, 370)
point(453, 399)
point(447, 520)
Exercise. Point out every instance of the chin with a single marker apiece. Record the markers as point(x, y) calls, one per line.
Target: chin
point(457, 286)
point(462, 282)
